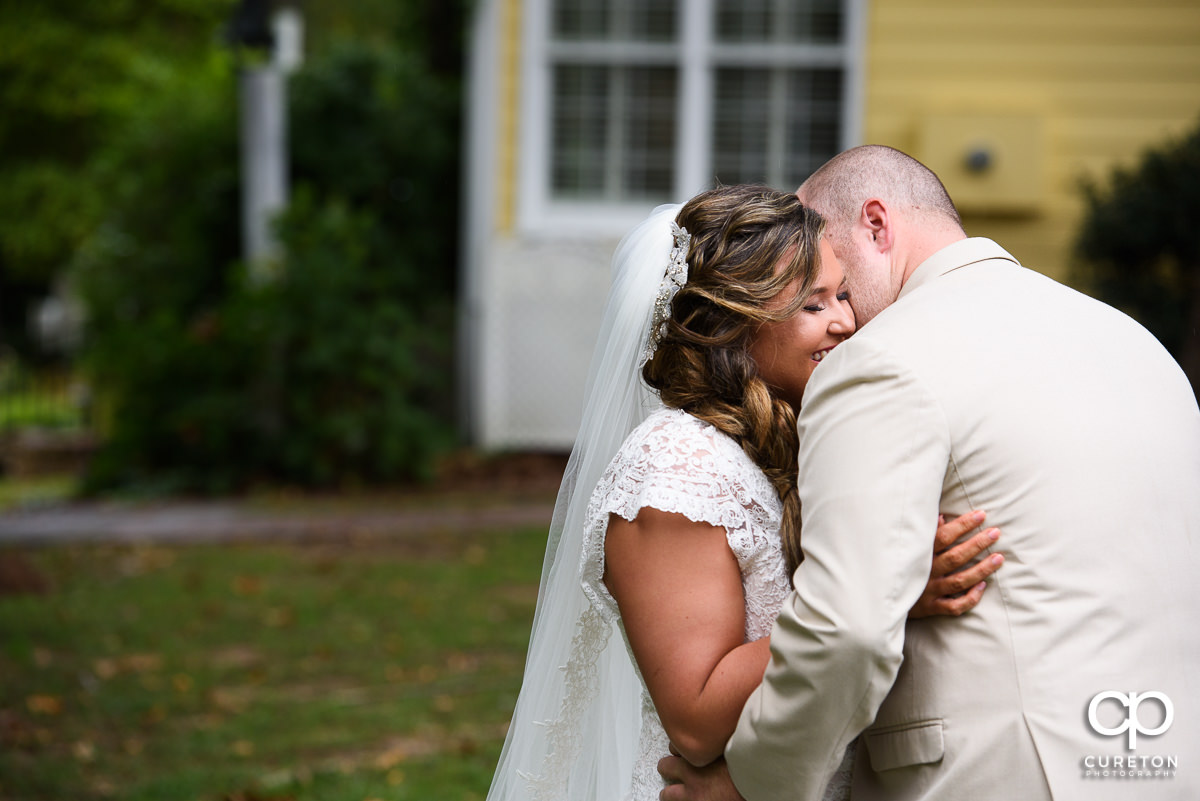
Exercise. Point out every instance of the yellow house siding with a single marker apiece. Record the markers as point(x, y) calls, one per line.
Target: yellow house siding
point(1102, 80)
point(508, 115)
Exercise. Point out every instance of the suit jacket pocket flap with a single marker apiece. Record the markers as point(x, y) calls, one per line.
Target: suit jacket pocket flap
point(916, 743)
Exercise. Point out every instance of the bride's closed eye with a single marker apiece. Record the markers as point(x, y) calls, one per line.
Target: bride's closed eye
point(842, 295)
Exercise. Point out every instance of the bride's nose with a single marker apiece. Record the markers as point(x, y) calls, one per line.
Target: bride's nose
point(843, 320)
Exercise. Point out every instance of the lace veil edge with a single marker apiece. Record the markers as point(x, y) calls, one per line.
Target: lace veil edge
point(575, 727)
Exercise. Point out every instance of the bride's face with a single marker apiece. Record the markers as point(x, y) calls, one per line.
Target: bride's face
point(787, 352)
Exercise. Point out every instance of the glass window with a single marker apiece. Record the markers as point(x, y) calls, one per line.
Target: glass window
point(620, 20)
point(613, 132)
point(814, 122)
point(790, 21)
point(774, 126)
point(766, 101)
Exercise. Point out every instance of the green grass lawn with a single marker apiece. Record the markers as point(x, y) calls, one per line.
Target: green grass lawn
point(367, 670)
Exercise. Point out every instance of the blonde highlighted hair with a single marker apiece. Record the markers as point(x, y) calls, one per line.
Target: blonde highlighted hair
point(748, 244)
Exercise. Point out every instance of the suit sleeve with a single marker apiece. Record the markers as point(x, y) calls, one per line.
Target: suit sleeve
point(873, 454)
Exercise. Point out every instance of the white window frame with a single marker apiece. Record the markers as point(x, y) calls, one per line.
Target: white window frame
point(540, 214)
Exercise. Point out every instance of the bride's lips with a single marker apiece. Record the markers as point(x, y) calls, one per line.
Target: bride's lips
point(822, 353)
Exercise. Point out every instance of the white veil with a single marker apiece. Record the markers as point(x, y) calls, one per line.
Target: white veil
point(575, 728)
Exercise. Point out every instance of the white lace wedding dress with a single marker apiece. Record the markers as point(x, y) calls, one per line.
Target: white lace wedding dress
point(677, 463)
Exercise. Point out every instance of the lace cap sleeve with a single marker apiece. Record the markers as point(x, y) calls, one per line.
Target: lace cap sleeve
point(677, 463)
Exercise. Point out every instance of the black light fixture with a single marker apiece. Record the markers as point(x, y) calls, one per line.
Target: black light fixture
point(250, 26)
point(979, 159)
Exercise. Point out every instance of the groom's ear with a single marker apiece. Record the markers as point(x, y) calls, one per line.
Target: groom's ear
point(877, 221)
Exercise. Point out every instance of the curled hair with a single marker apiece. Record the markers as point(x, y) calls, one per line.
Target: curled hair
point(748, 244)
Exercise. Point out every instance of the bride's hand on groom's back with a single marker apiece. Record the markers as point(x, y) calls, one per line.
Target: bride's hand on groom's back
point(686, 782)
point(954, 588)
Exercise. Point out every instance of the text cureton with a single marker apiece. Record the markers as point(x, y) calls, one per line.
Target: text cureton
point(1131, 762)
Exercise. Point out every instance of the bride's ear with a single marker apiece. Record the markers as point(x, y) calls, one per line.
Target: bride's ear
point(876, 220)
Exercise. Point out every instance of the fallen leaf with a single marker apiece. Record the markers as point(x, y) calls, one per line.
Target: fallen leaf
point(236, 656)
point(247, 585)
point(84, 751)
point(391, 758)
point(155, 714)
point(44, 704)
point(103, 787)
point(279, 616)
point(141, 663)
point(251, 795)
point(227, 700)
point(462, 663)
point(105, 668)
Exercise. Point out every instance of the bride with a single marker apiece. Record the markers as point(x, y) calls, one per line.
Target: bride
point(677, 523)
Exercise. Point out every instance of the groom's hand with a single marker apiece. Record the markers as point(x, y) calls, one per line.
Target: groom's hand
point(689, 783)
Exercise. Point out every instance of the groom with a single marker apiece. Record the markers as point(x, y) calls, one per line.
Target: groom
point(975, 383)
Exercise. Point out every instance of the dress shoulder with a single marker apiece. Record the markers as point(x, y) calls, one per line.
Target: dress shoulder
point(677, 463)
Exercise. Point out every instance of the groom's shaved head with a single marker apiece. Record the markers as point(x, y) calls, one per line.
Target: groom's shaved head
point(839, 188)
point(921, 216)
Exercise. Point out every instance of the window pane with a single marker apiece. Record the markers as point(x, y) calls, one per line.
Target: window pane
point(580, 19)
point(740, 125)
point(774, 126)
point(649, 151)
point(814, 122)
point(813, 21)
point(580, 129)
point(616, 20)
point(743, 20)
point(614, 132)
point(653, 20)
point(793, 21)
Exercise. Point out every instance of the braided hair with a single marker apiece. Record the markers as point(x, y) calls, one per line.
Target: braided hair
point(748, 243)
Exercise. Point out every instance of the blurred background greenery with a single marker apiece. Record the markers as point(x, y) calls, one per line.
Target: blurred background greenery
point(120, 204)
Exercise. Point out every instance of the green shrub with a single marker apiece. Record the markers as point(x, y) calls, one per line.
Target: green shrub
point(1137, 245)
point(335, 371)
point(71, 75)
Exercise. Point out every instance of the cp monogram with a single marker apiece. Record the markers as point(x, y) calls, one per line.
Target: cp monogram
point(1131, 722)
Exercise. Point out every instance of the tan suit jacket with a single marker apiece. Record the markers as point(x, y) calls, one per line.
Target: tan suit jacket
point(989, 386)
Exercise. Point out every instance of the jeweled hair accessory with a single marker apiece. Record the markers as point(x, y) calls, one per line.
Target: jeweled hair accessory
point(676, 277)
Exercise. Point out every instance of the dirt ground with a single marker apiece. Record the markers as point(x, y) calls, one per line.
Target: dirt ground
point(525, 472)
point(470, 495)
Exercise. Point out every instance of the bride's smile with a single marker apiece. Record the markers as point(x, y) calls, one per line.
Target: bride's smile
point(788, 351)
point(816, 357)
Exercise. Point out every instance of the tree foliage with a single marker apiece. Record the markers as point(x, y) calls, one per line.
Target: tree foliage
point(335, 371)
point(1138, 248)
point(71, 74)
